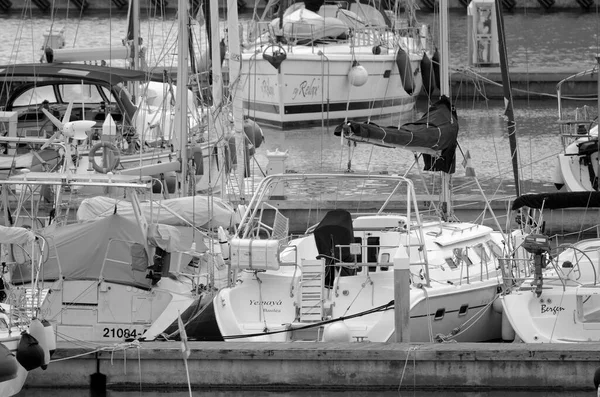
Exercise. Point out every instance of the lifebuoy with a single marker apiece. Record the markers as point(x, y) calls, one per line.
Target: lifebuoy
point(108, 167)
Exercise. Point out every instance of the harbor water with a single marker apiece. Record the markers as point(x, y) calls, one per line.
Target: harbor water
point(535, 39)
point(307, 393)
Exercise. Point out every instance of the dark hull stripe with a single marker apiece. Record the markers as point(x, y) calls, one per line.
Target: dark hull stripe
point(309, 108)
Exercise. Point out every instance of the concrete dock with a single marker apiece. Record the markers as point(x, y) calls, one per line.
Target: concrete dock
point(539, 83)
point(327, 366)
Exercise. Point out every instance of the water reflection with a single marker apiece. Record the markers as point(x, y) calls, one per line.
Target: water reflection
point(146, 392)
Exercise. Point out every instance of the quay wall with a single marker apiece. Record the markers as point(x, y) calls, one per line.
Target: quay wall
point(539, 83)
point(158, 7)
point(327, 366)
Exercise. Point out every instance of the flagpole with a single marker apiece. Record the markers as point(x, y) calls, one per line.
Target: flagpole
point(187, 372)
point(185, 350)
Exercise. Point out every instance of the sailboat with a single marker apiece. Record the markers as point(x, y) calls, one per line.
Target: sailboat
point(335, 282)
point(553, 293)
point(25, 343)
point(315, 62)
point(131, 254)
point(577, 168)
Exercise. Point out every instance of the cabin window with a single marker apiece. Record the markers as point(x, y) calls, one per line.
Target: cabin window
point(480, 251)
point(494, 248)
point(358, 240)
point(439, 314)
point(35, 96)
point(450, 262)
point(465, 257)
point(385, 258)
point(80, 93)
point(458, 256)
point(372, 251)
point(463, 310)
point(108, 94)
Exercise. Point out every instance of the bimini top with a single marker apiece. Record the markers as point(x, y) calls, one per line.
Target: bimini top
point(553, 201)
point(74, 72)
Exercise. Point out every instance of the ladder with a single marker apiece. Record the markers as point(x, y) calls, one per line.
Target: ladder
point(311, 291)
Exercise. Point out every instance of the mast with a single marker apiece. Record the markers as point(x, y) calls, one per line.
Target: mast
point(508, 99)
point(136, 33)
point(235, 65)
point(445, 91)
point(181, 106)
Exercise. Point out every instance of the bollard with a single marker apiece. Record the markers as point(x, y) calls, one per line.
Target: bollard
point(277, 166)
point(402, 295)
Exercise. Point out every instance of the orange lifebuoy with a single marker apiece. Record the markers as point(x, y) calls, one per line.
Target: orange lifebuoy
point(116, 159)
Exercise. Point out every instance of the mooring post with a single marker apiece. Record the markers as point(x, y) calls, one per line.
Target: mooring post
point(402, 295)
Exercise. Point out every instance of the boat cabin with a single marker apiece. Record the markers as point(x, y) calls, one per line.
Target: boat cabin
point(95, 91)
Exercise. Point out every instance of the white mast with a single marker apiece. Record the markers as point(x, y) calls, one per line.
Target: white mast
point(181, 106)
point(235, 65)
point(217, 75)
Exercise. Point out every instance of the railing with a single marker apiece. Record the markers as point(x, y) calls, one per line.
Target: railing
point(263, 34)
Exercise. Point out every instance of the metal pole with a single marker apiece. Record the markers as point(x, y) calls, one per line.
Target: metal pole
point(508, 99)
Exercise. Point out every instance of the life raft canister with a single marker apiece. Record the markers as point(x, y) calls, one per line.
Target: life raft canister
point(115, 158)
point(427, 75)
point(9, 367)
point(406, 75)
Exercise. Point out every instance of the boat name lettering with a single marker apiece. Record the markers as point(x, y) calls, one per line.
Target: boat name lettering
point(552, 309)
point(265, 303)
point(306, 90)
point(267, 89)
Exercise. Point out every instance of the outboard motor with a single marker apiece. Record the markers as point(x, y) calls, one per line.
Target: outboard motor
point(538, 245)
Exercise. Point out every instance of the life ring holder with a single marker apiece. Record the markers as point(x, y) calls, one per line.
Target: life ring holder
point(277, 56)
point(92, 157)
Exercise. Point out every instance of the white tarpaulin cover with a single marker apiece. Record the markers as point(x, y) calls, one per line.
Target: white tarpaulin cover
point(82, 248)
point(15, 235)
point(188, 209)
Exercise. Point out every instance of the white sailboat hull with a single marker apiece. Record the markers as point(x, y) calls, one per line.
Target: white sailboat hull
point(312, 85)
point(238, 313)
point(577, 168)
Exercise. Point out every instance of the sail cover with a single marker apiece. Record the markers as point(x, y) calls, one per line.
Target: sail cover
point(179, 211)
point(80, 249)
point(553, 201)
point(435, 135)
